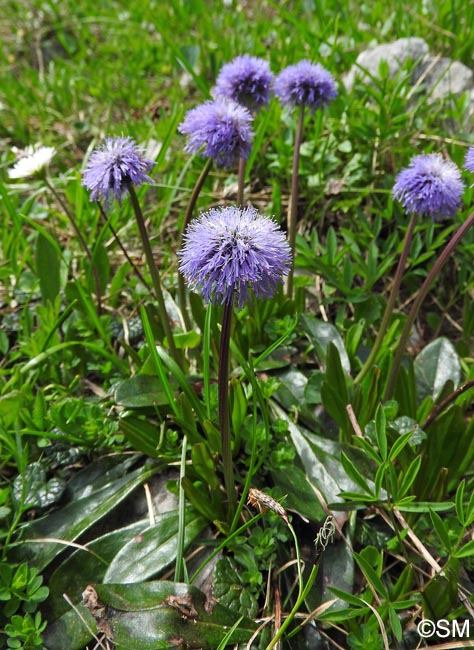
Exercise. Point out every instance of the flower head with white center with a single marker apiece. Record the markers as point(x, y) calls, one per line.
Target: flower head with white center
point(430, 186)
point(113, 166)
point(246, 80)
point(469, 160)
point(33, 160)
point(305, 84)
point(228, 251)
point(220, 130)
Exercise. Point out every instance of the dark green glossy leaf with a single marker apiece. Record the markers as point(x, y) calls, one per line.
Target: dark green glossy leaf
point(321, 335)
point(321, 459)
point(145, 616)
point(70, 627)
point(154, 549)
point(77, 516)
point(300, 496)
point(436, 364)
point(90, 564)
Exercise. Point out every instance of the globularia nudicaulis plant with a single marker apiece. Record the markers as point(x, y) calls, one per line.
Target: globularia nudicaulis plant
point(275, 424)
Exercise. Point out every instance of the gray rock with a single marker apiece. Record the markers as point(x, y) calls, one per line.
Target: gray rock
point(439, 76)
point(442, 77)
point(395, 54)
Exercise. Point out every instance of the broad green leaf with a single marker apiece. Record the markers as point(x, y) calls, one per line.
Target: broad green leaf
point(300, 496)
point(154, 549)
point(436, 364)
point(321, 459)
point(70, 627)
point(321, 334)
point(73, 519)
point(140, 391)
point(90, 564)
point(145, 616)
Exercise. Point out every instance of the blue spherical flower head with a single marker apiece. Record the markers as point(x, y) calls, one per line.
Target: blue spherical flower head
point(228, 251)
point(469, 160)
point(246, 80)
point(305, 84)
point(430, 185)
point(220, 130)
point(114, 165)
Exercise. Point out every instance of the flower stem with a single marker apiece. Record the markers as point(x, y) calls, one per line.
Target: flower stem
point(421, 295)
point(241, 183)
point(224, 419)
point(107, 222)
point(155, 276)
point(293, 205)
point(390, 303)
point(81, 239)
point(188, 215)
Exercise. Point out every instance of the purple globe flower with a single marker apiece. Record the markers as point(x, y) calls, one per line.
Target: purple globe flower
point(114, 165)
point(469, 160)
point(246, 80)
point(229, 250)
point(430, 185)
point(220, 130)
point(305, 84)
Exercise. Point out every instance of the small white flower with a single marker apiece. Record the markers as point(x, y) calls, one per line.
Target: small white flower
point(33, 159)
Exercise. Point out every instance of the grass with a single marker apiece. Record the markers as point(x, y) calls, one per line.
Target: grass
point(91, 410)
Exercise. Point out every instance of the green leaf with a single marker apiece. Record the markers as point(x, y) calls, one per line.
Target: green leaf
point(300, 496)
point(79, 514)
point(154, 549)
point(204, 465)
point(145, 616)
point(321, 334)
point(460, 502)
point(186, 340)
point(90, 564)
point(380, 431)
point(436, 364)
point(354, 474)
point(47, 266)
point(465, 551)
point(409, 477)
point(395, 623)
point(371, 576)
point(140, 391)
point(321, 459)
point(399, 444)
point(70, 627)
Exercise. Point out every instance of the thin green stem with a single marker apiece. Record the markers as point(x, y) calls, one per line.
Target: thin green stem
point(241, 183)
point(155, 276)
point(81, 239)
point(293, 204)
point(390, 303)
point(107, 222)
point(421, 295)
point(181, 513)
point(188, 215)
point(224, 418)
point(294, 611)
